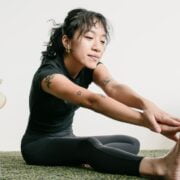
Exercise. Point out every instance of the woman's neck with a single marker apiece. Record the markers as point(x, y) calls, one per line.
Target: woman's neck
point(72, 66)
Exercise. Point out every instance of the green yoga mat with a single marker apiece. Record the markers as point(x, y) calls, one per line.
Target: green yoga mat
point(12, 167)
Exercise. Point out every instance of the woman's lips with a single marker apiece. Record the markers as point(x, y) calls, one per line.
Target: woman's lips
point(94, 58)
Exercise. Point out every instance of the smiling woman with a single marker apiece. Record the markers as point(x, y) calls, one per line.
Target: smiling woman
point(71, 62)
point(86, 49)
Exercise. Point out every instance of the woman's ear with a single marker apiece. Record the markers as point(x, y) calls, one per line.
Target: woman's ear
point(66, 42)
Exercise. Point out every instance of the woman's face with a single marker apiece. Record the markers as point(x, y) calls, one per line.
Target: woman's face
point(88, 48)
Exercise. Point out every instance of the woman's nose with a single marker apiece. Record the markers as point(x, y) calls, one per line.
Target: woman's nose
point(97, 46)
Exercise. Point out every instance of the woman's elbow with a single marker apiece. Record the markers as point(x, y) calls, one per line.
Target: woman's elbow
point(91, 101)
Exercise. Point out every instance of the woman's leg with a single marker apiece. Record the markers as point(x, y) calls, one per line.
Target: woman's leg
point(110, 159)
point(81, 150)
point(77, 150)
point(126, 143)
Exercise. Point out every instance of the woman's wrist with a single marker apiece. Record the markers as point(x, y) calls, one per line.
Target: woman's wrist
point(142, 120)
point(144, 103)
point(139, 119)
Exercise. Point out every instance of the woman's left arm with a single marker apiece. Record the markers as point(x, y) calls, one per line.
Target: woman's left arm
point(116, 90)
point(126, 95)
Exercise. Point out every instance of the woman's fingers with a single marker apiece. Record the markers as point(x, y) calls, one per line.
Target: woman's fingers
point(170, 132)
point(155, 126)
point(176, 119)
point(167, 128)
point(171, 121)
point(150, 122)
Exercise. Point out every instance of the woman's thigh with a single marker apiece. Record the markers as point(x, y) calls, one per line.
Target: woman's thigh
point(54, 151)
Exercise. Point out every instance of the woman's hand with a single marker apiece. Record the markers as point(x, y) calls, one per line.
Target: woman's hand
point(159, 121)
point(150, 122)
point(160, 116)
point(170, 132)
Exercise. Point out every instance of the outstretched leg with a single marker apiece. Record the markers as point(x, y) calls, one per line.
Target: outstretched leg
point(103, 158)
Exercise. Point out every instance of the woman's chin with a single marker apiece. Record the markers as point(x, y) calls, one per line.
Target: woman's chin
point(91, 65)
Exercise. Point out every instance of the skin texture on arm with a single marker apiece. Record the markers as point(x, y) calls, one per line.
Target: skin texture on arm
point(160, 120)
point(61, 87)
point(114, 89)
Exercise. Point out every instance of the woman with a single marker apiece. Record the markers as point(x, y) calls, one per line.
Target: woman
point(69, 64)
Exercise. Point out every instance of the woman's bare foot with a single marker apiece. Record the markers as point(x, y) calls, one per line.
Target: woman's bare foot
point(172, 161)
point(167, 167)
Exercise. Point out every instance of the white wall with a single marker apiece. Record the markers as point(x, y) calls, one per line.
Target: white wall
point(143, 53)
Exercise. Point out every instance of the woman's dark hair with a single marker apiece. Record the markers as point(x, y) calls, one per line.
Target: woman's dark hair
point(77, 19)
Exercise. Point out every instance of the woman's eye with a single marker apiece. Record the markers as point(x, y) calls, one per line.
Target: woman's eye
point(103, 42)
point(88, 37)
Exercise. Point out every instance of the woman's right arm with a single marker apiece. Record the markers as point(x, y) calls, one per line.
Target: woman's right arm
point(61, 87)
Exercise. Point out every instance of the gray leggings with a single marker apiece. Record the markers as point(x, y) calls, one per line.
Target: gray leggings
point(110, 154)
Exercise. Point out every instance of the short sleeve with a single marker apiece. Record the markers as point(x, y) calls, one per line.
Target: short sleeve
point(44, 71)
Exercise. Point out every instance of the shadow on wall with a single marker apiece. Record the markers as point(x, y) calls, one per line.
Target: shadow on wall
point(2, 98)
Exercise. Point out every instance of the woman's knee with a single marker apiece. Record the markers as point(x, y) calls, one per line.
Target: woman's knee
point(128, 143)
point(136, 144)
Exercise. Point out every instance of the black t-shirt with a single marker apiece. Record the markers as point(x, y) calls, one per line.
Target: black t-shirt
point(49, 114)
